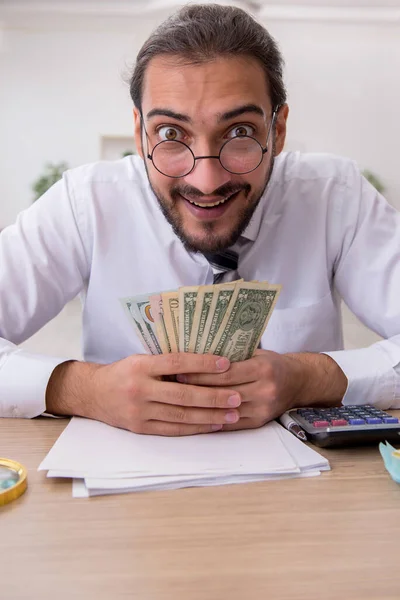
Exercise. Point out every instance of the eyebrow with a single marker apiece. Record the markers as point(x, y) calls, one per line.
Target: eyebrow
point(227, 116)
point(240, 110)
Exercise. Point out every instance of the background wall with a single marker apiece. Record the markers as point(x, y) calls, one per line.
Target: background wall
point(344, 92)
point(62, 89)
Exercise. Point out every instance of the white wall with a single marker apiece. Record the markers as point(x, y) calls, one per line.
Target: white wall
point(344, 92)
point(61, 90)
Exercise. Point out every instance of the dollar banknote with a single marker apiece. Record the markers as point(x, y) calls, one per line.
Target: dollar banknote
point(139, 311)
point(219, 305)
point(187, 307)
point(226, 319)
point(243, 325)
point(170, 302)
point(157, 312)
point(203, 306)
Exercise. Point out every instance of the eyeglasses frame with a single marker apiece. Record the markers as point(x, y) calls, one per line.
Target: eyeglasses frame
point(195, 158)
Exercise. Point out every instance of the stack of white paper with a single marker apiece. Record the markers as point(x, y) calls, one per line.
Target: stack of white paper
point(105, 460)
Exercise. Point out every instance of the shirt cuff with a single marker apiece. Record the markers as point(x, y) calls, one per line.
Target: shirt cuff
point(23, 383)
point(372, 377)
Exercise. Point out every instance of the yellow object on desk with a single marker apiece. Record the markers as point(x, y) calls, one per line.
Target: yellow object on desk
point(13, 480)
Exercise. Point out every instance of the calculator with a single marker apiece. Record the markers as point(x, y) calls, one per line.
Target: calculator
point(347, 425)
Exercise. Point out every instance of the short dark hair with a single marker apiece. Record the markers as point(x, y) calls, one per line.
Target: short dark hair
point(199, 33)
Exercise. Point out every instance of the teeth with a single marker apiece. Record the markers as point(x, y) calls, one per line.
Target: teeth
point(208, 205)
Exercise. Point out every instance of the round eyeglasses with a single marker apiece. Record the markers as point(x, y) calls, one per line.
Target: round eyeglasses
point(239, 155)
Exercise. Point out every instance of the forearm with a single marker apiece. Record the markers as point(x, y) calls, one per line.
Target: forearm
point(71, 389)
point(319, 381)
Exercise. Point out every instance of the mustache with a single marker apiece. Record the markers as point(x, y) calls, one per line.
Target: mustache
point(227, 189)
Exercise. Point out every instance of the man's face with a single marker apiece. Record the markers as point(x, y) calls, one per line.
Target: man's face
point(204, 106)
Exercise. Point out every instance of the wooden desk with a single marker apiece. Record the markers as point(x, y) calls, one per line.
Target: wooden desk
point(332, 537)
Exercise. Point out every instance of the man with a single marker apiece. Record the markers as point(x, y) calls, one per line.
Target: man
point(208, 78)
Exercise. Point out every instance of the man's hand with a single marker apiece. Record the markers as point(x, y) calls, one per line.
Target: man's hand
point(133, 394)
point(271, 383)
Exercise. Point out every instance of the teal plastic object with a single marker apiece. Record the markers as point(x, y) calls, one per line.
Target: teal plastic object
point(391, 458)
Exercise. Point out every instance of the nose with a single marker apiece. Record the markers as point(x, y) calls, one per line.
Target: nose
point(208, 175)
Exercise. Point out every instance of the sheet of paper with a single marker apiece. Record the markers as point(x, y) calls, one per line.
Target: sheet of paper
point(81, 490)
point(88, 448)
point(188, 480)
point(104, 460)
point(303, 455)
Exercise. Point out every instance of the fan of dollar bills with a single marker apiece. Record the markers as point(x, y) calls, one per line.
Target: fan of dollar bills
point(226, 319)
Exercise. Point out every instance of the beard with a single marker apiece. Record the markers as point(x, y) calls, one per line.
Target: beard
point(211, 241)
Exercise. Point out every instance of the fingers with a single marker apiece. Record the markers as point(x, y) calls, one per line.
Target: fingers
point(191, 395)
point(245, 371)
point(244, 423)
point(180, 362)
point(177, 429)
point(157, 411)
point(258, 402)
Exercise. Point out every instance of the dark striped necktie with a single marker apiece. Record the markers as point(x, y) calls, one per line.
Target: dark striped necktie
point(223, 262)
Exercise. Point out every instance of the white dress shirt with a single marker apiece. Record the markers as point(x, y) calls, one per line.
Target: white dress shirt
point(321, 230)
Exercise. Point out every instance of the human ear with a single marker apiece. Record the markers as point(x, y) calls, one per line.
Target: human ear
point(280, 128)
point(138, 132)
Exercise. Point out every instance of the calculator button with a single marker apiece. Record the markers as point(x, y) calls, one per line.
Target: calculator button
point(321, 423)
point(373, 420)
point(357, 421)
point(338, 422)
point(390, 420)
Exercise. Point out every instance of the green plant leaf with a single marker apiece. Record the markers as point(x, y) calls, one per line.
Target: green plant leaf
point(374, 180)
point(52, 173)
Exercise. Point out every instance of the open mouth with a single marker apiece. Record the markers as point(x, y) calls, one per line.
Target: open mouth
point(212, 204)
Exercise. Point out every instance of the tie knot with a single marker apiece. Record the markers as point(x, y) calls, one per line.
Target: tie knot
point(222, 262)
